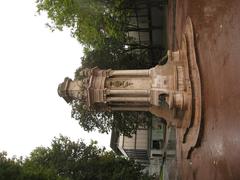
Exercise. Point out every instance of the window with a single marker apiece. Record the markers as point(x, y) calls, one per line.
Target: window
point(155, 144)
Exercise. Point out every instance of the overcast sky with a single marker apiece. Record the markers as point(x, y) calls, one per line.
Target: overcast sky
point(33, 61)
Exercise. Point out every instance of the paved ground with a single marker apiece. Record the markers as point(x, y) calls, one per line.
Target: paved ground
point(217, 32)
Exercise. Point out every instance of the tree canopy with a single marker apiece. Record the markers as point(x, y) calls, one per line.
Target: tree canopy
point(69, 160)
point(92, 22)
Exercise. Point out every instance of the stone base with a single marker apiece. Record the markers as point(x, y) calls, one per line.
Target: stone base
point(189, 132)
point(187, 117)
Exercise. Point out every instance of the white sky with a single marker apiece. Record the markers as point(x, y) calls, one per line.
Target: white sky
point(33, 61)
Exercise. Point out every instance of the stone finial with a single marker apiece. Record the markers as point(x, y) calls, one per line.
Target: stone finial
point(70, 90)
point(63, 90)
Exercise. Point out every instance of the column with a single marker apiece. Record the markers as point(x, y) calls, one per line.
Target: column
point(128, 92)
point(140, 72)
point(130, 109)
point(128, 99)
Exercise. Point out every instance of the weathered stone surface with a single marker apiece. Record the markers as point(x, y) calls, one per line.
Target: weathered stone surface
point(171, 91)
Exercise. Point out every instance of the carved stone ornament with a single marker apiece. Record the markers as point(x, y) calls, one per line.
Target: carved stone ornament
point(171, 91)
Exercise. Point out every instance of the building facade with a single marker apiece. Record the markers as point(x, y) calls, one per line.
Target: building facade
point(147, 146)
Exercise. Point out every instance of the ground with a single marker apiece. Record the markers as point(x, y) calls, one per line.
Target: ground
point(216, 27)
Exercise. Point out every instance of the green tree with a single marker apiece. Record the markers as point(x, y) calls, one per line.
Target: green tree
point(92, 22)
point(76, 160)
point(114, 58)
point(15, 169)
point(69, 160)
point(10, 169)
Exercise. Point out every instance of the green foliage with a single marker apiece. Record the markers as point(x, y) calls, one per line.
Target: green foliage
point(69, 160)
point(90, 120)
point(92, 22)
point(9, 168)
point(114, 58)
point(76, 160)
point(128, 122)
point(17, 169)
point(66, 158)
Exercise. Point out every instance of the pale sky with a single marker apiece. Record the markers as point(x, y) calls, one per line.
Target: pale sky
point(33, 61)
